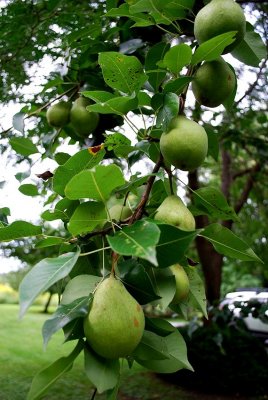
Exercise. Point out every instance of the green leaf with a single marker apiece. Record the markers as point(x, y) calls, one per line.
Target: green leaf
point(155, 54)
point(61, 158)
point(227, 243)
point(78, 162)
point(137, 281)
point(177, 356)
point(23, 146)
point(18, 122)
point(43, 275)
point(151, 347)
point(211, 201)
point(177, 57)
point(53, 215)
point(102, 373)
point(18, 230)
point(20, 176)
point(165, 286)
point(213, 48)
point(177, 85)
point(168, 111)
point(96, 184)
point(29, 189)
point(172, 244)
point(64, 315)
point(49, 241)
point(197, 295)
point(252, 49)
point(79, 286)
point(87, 217)
point(120, 72)
point(117, 105)
point(138, 240)
point(49, 375)
point(213, 143)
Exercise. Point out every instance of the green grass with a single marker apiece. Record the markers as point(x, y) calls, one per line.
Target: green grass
point(22, 356)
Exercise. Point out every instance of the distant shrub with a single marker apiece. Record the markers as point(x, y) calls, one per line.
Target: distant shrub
point(226, 358)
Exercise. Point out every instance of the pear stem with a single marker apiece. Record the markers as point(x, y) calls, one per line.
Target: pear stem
point(93, 394)
point(115, 257)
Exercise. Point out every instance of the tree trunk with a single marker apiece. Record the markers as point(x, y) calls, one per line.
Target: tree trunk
point(45, 311)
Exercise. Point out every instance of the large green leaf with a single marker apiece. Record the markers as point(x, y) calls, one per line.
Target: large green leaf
point(79, 286)
point(64, 315)
point(49, 241)
point(177, 57)
point(151, 347)
point(213, 48)
point(172, 244)
point(168, 110)
point(43, 275)
point(177, 85)
point(211, 201)
point(177, 356)
point(49, 375)
point(96, 184)
point(121, 72)
point(87, 217)
point(28, 189)
point(228, 244)
point(78, 162)
point(117, 105)
point(137, 281)
point(138, 240)
point(102, 373)
point(23, 146)
point(18, 230)
point(252, 48)
point(155, 54)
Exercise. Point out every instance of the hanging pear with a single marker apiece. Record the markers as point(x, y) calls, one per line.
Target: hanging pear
point(119, 212)
point(174, 212)
point(182, 283)
point(115, 323)
point(185, 144)
point(83, 121)
point(213, 74)
point(58, 115)
point(217, 17)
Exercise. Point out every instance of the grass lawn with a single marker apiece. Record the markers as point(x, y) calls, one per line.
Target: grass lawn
point(22, 356)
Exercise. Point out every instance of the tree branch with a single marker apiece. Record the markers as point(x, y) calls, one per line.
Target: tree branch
point(140, 208)
point(248, 186)
point(254, 84)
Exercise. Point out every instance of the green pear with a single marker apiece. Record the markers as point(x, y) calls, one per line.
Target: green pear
point(185, 144)
point(58, 115)
point(217, 17)
point(119, 212)
point(213, 83)
point(83, 121)
point(182, 283)
point(115, 323)
point(174, 212)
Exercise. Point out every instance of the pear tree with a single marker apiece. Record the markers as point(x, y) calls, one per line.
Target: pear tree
point(122, 100)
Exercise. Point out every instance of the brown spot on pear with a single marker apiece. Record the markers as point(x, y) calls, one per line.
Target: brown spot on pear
point(113, 327)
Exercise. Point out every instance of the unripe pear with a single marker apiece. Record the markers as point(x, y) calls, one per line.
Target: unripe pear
point(213, 83)
point(182, 283)
point(119, 212)
point(174, 212)
point(217, 17)
point(58, 115)
point(185, 144)
point(83, 121)
point(115, 323)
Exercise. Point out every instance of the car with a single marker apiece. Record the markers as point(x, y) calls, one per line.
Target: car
point(251, 304)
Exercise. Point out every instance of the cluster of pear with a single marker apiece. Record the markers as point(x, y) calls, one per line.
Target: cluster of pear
point(215, 80)
point(83, 121)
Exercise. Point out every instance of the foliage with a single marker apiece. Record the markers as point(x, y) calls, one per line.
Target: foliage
point(221, 355)
point(134, 62)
